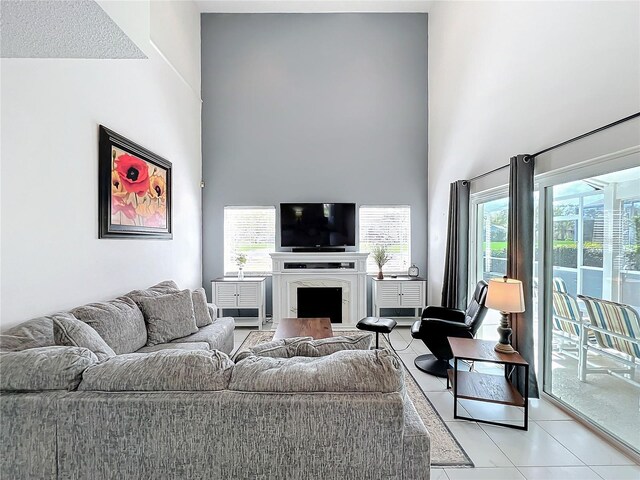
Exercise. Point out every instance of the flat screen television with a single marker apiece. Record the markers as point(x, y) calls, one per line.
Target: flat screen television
point(318, 225)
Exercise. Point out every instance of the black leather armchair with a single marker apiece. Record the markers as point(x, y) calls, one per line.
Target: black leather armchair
point(438, 323)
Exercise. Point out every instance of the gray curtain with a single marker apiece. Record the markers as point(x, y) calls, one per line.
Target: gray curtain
point(454, 289)
point(520, 261)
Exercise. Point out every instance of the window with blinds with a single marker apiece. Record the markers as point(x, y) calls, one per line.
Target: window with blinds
point(252, 231)
point(388, 225)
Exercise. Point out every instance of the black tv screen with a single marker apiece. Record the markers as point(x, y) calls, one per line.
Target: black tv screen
point(318, 224)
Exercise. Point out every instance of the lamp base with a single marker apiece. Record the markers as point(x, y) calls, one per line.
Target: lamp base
point(502, 348)
point(504, 344)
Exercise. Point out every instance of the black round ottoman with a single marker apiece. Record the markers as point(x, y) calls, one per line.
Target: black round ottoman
point(376, 324)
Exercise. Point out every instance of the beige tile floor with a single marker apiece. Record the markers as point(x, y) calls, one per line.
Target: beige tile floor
point(555, 447)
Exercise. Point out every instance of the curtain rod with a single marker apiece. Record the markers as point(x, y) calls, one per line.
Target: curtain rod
point(489, 172)
point(604, 127)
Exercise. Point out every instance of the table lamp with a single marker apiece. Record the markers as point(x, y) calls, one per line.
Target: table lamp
point(506, 295)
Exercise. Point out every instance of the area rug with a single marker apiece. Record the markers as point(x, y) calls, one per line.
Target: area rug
point(445, 449)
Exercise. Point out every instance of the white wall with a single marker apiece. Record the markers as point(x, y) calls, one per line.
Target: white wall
point(517, 77)
point(175, 31)
point(51, 255)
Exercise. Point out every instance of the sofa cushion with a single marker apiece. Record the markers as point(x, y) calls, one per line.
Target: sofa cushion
point(162, 288)
point(343, 371)
point(119, 322)
point(284, 348)
point(167, 370)
point(307, 346)
point(188, 346)
point(37, 332)
point(168, 317)
point(44, 368)
point(219, 335)
point(166, 286)
point(71, 332)
point(327, 346)
point(201, 308)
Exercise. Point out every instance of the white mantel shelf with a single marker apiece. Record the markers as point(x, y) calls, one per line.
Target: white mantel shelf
point(346, 270)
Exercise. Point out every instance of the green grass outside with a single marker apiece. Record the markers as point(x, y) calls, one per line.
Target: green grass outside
point(556, 243)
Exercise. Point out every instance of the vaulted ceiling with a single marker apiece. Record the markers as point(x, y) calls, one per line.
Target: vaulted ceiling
point(61, 29)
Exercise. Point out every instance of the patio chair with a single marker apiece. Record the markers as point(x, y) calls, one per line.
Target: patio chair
point(567, 319)
point(559, 285)
point(616, 328)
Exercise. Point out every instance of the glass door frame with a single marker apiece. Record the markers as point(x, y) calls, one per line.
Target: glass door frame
point(544, 183)
point(475, 199)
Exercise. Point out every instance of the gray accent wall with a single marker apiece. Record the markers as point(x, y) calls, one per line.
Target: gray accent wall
point(313, 108)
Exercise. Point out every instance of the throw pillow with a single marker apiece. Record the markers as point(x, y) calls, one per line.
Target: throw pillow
point(71, 332)
point(119, 322)
point(200, 308)
point(168, 317)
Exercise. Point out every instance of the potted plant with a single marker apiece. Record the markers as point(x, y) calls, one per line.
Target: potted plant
point(381, 256)
point(241, 260)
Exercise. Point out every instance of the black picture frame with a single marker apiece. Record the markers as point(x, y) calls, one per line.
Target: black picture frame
point(114, 194)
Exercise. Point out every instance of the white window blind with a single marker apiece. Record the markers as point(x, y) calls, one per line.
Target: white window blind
point(252, 231)
point(388, 225)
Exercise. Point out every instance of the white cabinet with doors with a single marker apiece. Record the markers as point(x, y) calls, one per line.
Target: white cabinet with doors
point(399, 292)
point(248, 293)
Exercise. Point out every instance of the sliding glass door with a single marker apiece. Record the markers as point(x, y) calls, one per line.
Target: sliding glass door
point(591, 279)
point(586, 286)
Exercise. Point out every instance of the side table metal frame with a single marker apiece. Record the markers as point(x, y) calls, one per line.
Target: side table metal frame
point(507, 375)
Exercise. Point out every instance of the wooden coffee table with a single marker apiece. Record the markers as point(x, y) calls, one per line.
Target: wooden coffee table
point(304, 327)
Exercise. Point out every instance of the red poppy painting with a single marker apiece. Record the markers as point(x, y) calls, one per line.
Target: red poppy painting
point(136, 200)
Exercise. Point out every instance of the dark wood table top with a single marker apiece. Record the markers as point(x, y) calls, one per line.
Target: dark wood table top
point(304, 327)
point(482, 350)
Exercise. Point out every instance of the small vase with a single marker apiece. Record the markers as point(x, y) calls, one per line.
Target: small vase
point(380, 275)
point(240, 274)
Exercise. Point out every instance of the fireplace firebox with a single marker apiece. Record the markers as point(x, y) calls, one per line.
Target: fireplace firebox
point(320, 302)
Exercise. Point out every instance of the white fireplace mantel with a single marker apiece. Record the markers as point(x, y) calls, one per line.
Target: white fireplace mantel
point(347, 270)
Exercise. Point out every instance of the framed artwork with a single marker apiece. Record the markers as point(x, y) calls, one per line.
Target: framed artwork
point(134, 190)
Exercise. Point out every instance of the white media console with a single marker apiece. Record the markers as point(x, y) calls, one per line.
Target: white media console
point(331, 270)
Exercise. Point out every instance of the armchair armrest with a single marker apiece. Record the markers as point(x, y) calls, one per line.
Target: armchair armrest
point(213, 310)
point(452, 314)
point(415, 329)
point(446, 328)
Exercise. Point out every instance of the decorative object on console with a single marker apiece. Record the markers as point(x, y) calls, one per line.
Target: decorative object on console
point(381, 257)
point(134, 193)
point(241, 261)
point(413, 271)
point(505, 295)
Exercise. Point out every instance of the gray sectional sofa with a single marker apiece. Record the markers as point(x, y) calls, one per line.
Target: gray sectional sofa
point(293, 409)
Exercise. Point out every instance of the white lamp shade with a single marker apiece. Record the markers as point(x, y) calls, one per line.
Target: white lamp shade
point(506, 295)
